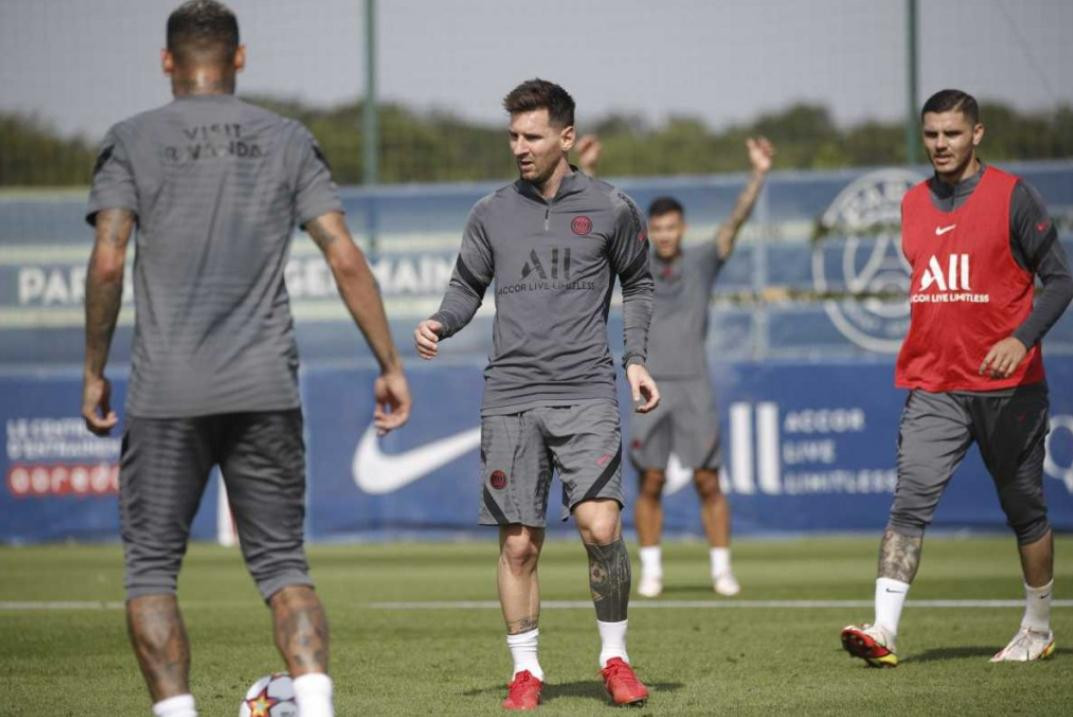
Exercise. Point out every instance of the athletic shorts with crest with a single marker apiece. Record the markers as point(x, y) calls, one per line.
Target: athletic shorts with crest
point(684, 423)
point(520, 451)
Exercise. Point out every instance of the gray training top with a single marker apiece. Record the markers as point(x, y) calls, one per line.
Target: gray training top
point(680, 311)
point(554, 265)
point(217, 186)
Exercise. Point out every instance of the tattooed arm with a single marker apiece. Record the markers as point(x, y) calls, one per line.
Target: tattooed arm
point(899, 556)
point(761, 152)
point(360, 293)
point(104, 294)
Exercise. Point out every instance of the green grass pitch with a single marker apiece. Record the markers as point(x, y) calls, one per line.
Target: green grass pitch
point(453, 661)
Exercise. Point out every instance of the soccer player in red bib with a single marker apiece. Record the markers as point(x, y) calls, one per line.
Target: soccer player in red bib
point(975, 238)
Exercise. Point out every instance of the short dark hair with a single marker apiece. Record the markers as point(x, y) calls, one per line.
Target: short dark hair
point(537, 94)
point(202, 27)
point(664, 205)
point(950, 100)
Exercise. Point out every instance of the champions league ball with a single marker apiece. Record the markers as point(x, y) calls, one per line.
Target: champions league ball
point(271, 696)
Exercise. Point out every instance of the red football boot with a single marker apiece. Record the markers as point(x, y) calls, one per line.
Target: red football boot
point(622, 684)
point(523, 692)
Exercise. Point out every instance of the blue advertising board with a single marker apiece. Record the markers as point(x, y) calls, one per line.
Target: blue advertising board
point(805, 321)
point(808, 446)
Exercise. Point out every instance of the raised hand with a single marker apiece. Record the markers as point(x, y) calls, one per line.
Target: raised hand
point(589, 149)
point(761, 153)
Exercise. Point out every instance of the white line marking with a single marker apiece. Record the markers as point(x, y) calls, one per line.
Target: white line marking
point(704, 604)
point(44, 605)
point(60, 605)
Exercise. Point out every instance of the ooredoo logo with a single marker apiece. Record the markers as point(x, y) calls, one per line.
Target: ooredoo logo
point(57, 479)
point(581, 225)
point(498, 479)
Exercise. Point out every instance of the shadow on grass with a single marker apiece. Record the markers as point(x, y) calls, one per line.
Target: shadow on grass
point(953, 653)
point(974, 651)
point(583, 688)
point(701, 589)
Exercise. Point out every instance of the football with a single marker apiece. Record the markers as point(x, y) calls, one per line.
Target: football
point(270, 696)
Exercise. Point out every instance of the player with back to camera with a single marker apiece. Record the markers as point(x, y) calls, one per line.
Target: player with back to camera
point(685, 422)
point(213, 187)
point(975, 238)
point(553, 242)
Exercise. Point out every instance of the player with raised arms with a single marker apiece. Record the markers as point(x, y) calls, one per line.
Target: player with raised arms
point(212, 188)
point(685, 422)
point(976, 238)
point(553, 242)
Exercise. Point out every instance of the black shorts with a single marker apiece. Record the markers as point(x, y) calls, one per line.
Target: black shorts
point(164, 466)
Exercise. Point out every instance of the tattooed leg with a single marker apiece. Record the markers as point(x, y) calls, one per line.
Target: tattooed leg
point(159, 639)
point(301, 629)
point(899, 556)
point(609, 580)
point(519, 585)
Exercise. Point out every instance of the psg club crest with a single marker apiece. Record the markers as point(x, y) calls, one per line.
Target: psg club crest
point(857, 263)
point(581, 226)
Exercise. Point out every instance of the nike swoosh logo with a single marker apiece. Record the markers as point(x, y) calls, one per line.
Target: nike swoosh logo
point(377, 473)
point(896, 592)
point(939, 231)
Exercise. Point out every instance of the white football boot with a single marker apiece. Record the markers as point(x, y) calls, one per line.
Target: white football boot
point(1027, 645)
point(650, 586)
point(725, 584)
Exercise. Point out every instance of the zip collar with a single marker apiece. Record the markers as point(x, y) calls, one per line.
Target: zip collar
point(573, 183)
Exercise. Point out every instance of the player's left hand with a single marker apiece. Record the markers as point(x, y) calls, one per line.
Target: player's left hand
point(392, 402)
point(96, 405)
point(1003, 358)
point(643, 389)
point(761, 153)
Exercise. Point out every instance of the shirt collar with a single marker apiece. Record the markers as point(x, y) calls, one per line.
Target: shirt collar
point(573, 183)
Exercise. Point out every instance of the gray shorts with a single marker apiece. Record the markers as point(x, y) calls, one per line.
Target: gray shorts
point(164, 467)
point(935, 434)
point(684, 422)
point(519, 451)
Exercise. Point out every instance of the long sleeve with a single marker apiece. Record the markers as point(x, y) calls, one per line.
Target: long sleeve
point(472, 274)
point(1035, 245)
point(628, 250)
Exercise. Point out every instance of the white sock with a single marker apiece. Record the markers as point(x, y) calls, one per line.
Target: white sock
point(523, 648)
point(720, 561)
point(178, 706)
point(612, 640)
point(890, 599)
point(651, 561)
point(1038, 607)
point(313, 693)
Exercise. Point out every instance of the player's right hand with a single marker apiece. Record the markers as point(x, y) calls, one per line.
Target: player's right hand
point(392, 402)
point(427, 338)
point(96, 405)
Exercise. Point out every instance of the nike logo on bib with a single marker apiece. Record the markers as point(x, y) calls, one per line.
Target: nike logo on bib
point(939, 231)
point(376, 472)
